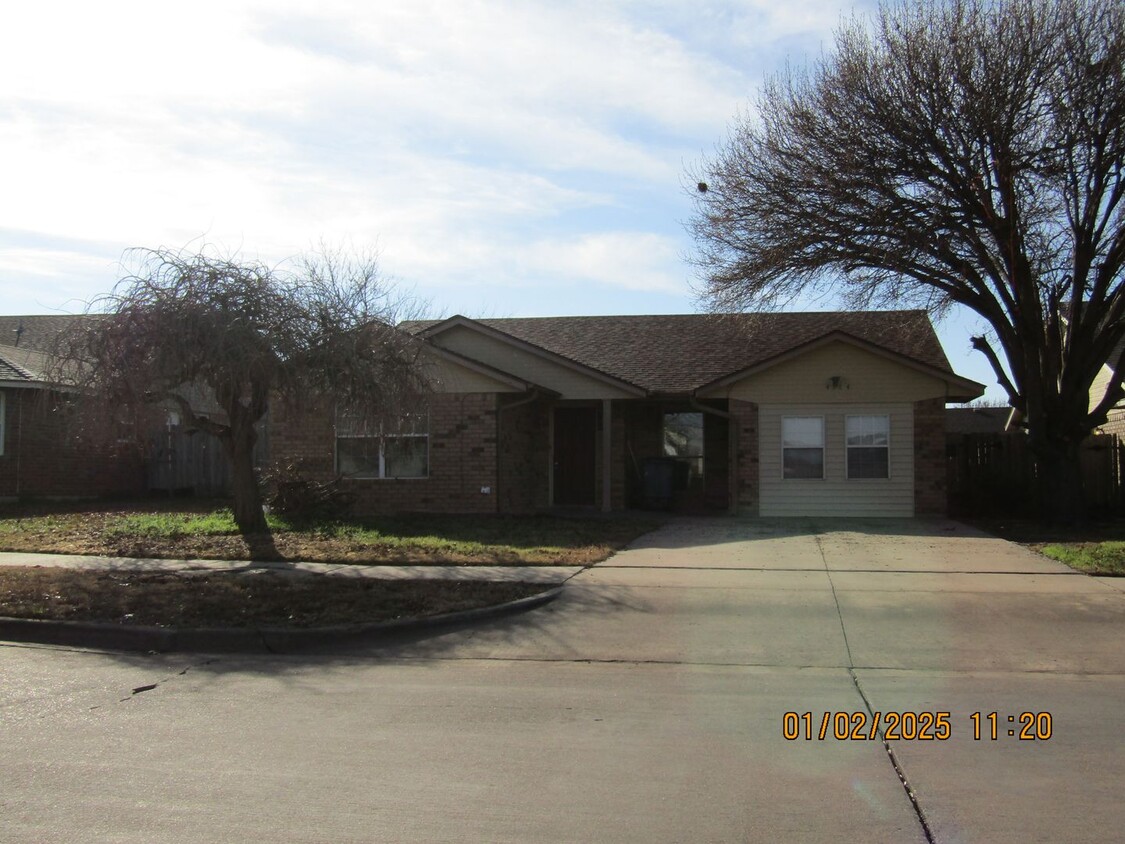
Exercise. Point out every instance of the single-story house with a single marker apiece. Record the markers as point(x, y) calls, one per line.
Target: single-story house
point(42, 452)
point(783, 414)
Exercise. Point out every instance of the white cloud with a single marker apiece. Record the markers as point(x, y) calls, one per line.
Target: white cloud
point(497, 141)
point(629, 260)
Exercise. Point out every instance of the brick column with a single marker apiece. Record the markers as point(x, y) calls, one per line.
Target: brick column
point(745, 472)
point(929, 458)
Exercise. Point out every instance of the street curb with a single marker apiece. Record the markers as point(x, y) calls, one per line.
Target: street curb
point(105, 636)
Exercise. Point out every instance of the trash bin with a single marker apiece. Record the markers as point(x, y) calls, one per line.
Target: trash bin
point(659, 482)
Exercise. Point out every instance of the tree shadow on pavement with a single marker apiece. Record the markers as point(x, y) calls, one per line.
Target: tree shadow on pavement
point(547, 629)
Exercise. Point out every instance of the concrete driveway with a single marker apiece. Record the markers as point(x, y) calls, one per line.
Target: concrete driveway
point(647, 704)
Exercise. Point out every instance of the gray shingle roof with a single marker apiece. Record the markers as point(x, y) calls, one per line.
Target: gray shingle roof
point(25, 342)
point(976, 420)
point(38, 331)
point(10, 370)
point(679, 353)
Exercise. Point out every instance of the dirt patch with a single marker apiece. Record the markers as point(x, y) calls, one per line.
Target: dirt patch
point(237, 599)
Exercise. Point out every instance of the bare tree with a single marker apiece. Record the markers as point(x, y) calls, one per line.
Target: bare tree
point(959, 152)
point(219, 339)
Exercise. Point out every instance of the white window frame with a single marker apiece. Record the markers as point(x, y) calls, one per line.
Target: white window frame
point(823, 448)
point(848, 448)
point(382, 437)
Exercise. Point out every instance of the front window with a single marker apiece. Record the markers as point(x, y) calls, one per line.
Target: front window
point(802, 447)
point(390, 450)
point(683, 440)
point(868, 441)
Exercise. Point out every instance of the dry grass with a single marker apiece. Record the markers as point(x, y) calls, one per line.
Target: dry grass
point(241, 599)
point(205, 530)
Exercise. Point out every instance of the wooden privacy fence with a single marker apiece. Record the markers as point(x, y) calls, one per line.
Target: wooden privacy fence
point(188, 461)
point(995, 474)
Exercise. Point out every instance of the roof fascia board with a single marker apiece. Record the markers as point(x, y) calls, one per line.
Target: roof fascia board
point(951, 378)
point(531, 348)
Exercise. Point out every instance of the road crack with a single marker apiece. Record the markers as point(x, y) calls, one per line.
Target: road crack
point(900, 772)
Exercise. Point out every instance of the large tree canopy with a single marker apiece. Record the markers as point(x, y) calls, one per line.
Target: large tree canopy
point(948, 153)
point(200, 333)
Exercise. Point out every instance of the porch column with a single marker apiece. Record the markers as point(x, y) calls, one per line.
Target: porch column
point(607, 442)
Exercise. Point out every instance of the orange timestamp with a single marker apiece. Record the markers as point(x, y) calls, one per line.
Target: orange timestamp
point(913, 726)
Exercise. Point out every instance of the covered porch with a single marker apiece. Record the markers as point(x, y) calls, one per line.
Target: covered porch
point(674, 454)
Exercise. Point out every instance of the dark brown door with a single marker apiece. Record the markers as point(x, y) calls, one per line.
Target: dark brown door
point(575, 444)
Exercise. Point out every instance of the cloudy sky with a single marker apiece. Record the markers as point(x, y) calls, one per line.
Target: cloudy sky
point(504, 157)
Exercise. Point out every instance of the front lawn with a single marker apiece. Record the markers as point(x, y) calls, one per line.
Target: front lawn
point(1097, 547)
point(187, 529)
point(1101, 558)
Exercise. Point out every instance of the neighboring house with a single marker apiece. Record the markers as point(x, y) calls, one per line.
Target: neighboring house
point(1115, 422)
point(977, 420)
point(772, 414)
point(41, 450)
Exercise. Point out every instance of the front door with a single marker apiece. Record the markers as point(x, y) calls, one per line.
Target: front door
point(574, 451)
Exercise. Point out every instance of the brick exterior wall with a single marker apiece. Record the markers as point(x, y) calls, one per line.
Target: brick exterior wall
point(929, 458)
point(44, 454)
point(475, 443)
point(746, 480)
point(524, 455)
point(463, 457)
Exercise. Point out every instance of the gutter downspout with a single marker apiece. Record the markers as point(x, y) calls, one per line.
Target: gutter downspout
point(732, 449)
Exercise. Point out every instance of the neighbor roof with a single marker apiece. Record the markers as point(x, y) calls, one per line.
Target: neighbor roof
point(20, 364)
point(37, 331)
point(25, 342)
point(680, 353)
point(976, 420)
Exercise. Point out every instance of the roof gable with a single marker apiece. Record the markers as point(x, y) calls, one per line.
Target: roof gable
point(679, 354)
point(525, 358)
point(960, 385)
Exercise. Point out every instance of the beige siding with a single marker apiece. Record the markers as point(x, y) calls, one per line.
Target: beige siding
point(835, 495)
point(447, 376)
point(861, 377)
point(1099, 387)
point(1115, 422)
point(572, 384)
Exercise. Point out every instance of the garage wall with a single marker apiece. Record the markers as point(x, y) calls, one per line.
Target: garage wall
point(835, 495)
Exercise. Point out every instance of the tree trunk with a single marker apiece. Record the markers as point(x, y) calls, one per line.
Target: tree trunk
point(249, 514)
point(247, 505)
point(1060, 482)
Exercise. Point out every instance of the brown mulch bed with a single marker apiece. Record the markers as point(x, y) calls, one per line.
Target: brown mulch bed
point(240, 599)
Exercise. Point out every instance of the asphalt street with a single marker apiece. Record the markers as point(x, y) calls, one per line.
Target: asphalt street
point(647, 704)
